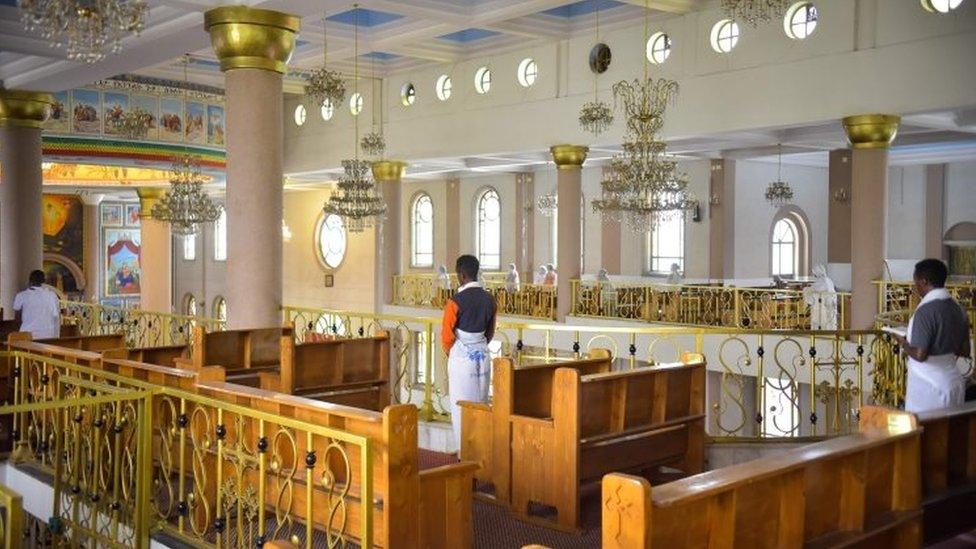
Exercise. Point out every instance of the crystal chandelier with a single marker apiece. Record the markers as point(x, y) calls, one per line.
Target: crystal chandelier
point(547, 203)
point(779, 193)
point(595, 116)
point(355, 199)
point(186, 206)
point(86, 27)
point(373, 144)
point(323, 84)
point(754, 12)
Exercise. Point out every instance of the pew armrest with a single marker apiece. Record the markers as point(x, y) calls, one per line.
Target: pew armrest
point(445, 506)
point(528, 420)
point(463, 468)
point(269, 381)
point(184, 363)
point(483, 406)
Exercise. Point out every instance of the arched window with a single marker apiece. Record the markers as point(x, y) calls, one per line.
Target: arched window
point(189, 305)
point(220, 237)
point(220, 309)
point(422, 232)
point(189, 247)
point(784, 251)
point(488, 232)
point(666, 246)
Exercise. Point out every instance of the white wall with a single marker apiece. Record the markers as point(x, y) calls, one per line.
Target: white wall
point(906, 212)
point(960, 194)
point(203, 277)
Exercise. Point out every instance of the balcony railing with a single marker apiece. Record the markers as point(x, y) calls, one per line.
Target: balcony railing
point(528, 300)
point(141, 328)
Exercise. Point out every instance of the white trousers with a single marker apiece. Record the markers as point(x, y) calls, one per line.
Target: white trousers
point(468, 378)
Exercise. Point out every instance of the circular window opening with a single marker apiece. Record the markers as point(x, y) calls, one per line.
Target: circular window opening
point(600, 58)
point(725, 35)
point(301, 114)
point(800, 20)
point(482, 80)
point(658, 48)
point(330, 241)
point(356, 104)
point(408, 94)
point(327, 110)
point(941, 6)
point(528, 72)
point(443, 87)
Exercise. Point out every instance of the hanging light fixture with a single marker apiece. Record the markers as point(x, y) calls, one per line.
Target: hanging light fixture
point(549, 202)
point(322, 84)
point(779, 193)
point(186, 206)
point(373, 143)
point(754, 12)
point(596, 116)
point(642, 184)
point(355, 200)
point(85, 27)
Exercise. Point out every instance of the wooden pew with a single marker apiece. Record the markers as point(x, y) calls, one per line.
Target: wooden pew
point(94, 343)
point(170, 356)
point(486, 428)
point(861, 490)
point(244, 354)
point(350, 371)
point(164, 376)
point(948, 471)
point(634, 420)
point(412, 508)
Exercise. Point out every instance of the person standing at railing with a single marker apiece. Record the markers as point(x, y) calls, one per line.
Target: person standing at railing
point(443, 279)
point(540, 276)
point(38, 309)
point(512, 282)
point(551, 277)
point(938, 333)
point(821, 298)
point(608, 295)
point(467, 328)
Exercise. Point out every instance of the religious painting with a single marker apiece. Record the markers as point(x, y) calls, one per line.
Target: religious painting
point(62, 224)
point(112, 215)
point(196, 129)
point(122, 265)
point(58, 122)
point(145, 106)
point(132, 215)
point(215, 124)
point(86, 113)
point(60, 277)
point(170, 119)
point(116, 106)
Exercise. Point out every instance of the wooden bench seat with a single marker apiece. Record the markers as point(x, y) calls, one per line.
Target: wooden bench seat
point(161, 356)
point(94, 343)
point(244, 354)
point(948, 471)
point(861, 490)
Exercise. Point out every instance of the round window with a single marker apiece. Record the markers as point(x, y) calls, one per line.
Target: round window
point(330, 241)
point(443, 87)
point(327, 110)
point(725, 35)
point(941, 6)
point(356, 104)
point(658, 48)
point(482, 80)
point(528, 71)
point(600, 58)
point(300, 115)
point(408, 94)
point(800, 20)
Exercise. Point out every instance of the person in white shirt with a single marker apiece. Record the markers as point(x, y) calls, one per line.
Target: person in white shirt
point(38, 309)
point(512, 282)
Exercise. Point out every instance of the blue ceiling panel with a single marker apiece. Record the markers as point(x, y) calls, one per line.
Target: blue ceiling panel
point(585, 7)
point(12, 3)
point(381, 56)
point(366, 17)
point(469, 35)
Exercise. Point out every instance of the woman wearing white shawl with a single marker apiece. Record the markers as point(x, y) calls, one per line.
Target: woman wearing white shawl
point(512, 282)
point(821, 298)
point(608, 295)
point(540, 275)
point(443, 279)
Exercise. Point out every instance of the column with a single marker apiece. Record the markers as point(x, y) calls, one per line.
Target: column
point(721, 220)
point(156, 255)
point(453, 223)
point(525, 224)
point(610, 246)
point(839, 179)
point(569, 191)
point(388, 175)
point(253, 46)
point(869, 136)
point(22, 114)
point(935, 210)
point(92, 254)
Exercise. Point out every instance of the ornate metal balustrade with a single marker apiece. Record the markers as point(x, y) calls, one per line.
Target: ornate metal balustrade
point(712, 305)
point(141, 328)
point(11, 517)
point(529, 300)
point(217, 474)
point(896, 296)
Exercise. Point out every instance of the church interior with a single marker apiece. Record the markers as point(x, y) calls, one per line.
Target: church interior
point(696, 226)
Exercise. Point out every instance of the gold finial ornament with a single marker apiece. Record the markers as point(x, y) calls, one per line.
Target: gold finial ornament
point(251, 38)
point(148, 197)
point(24, 109)
point(871, 131)
point(389, 170)
point(568, 157)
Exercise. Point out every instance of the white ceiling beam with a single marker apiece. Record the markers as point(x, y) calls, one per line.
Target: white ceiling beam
point(669, 6)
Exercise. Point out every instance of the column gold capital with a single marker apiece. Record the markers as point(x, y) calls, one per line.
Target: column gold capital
point(569, 157)
point(389, 170)
point(148, 197)
point(24, 109)
point(871, 131)
point(251, 38)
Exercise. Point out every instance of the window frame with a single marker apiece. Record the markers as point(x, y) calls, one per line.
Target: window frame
point(300, 116)
point(220, 236)
point(778, 245)
point(327, 107)
point(482, 80)
point(790, 24)
point(356, 104)
point(190, 306)
point(219, 303)
point(319, 254)
point(718, 36)
point(443, 87)
point(930, 7)
point(652, 245)
point(479, 229)
point(192, 249)
point(414, 214)
point(525, 77)
point(653, 50)
point(408, 94)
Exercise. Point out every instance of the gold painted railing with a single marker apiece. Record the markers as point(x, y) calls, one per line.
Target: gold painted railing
point(141, 328)
point(712, 305)
point(762, 383)
point(218, 474)
point(898, 295)
point(11, 518)
point(528, 300)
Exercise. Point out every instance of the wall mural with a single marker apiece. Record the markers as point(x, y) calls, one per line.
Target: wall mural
point(122, 262)
point(86, 111)
point(63, 226)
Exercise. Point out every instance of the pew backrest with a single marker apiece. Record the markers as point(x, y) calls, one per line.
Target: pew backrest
point(238, 349)
point(948, 471)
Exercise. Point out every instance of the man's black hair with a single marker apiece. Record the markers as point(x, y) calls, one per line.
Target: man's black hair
point(933, 270)
point(469, 266)
point(36, 278)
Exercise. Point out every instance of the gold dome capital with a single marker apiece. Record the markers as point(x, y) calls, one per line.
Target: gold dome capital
point(871, 131)
point(24, 109)
point(251, 38)
point(568, 157)
point(148, 197)
point(389, 170)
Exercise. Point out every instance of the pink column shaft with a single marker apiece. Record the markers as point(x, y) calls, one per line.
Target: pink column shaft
point(21, 243)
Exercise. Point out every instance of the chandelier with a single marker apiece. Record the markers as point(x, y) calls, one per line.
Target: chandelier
point(373, 144)
point(779, 193)
point(355, 199)
point(86, 27)
point(134, 124)
point(547, 204)
point(754, 12)
point(322, 84)
point(186, 206)
point(596, 116)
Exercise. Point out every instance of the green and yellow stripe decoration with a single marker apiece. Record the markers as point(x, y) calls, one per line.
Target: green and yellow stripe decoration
point(141, 152)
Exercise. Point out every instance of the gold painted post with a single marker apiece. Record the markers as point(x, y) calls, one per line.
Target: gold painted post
point(427, 410)
point(366, 487)
point(144, 474)
point(13, 504)
point(760, 382)
point(262, 481)
point(181, 523)
point(737, 306)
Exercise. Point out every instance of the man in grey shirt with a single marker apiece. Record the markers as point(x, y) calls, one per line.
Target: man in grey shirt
point(938, 333)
